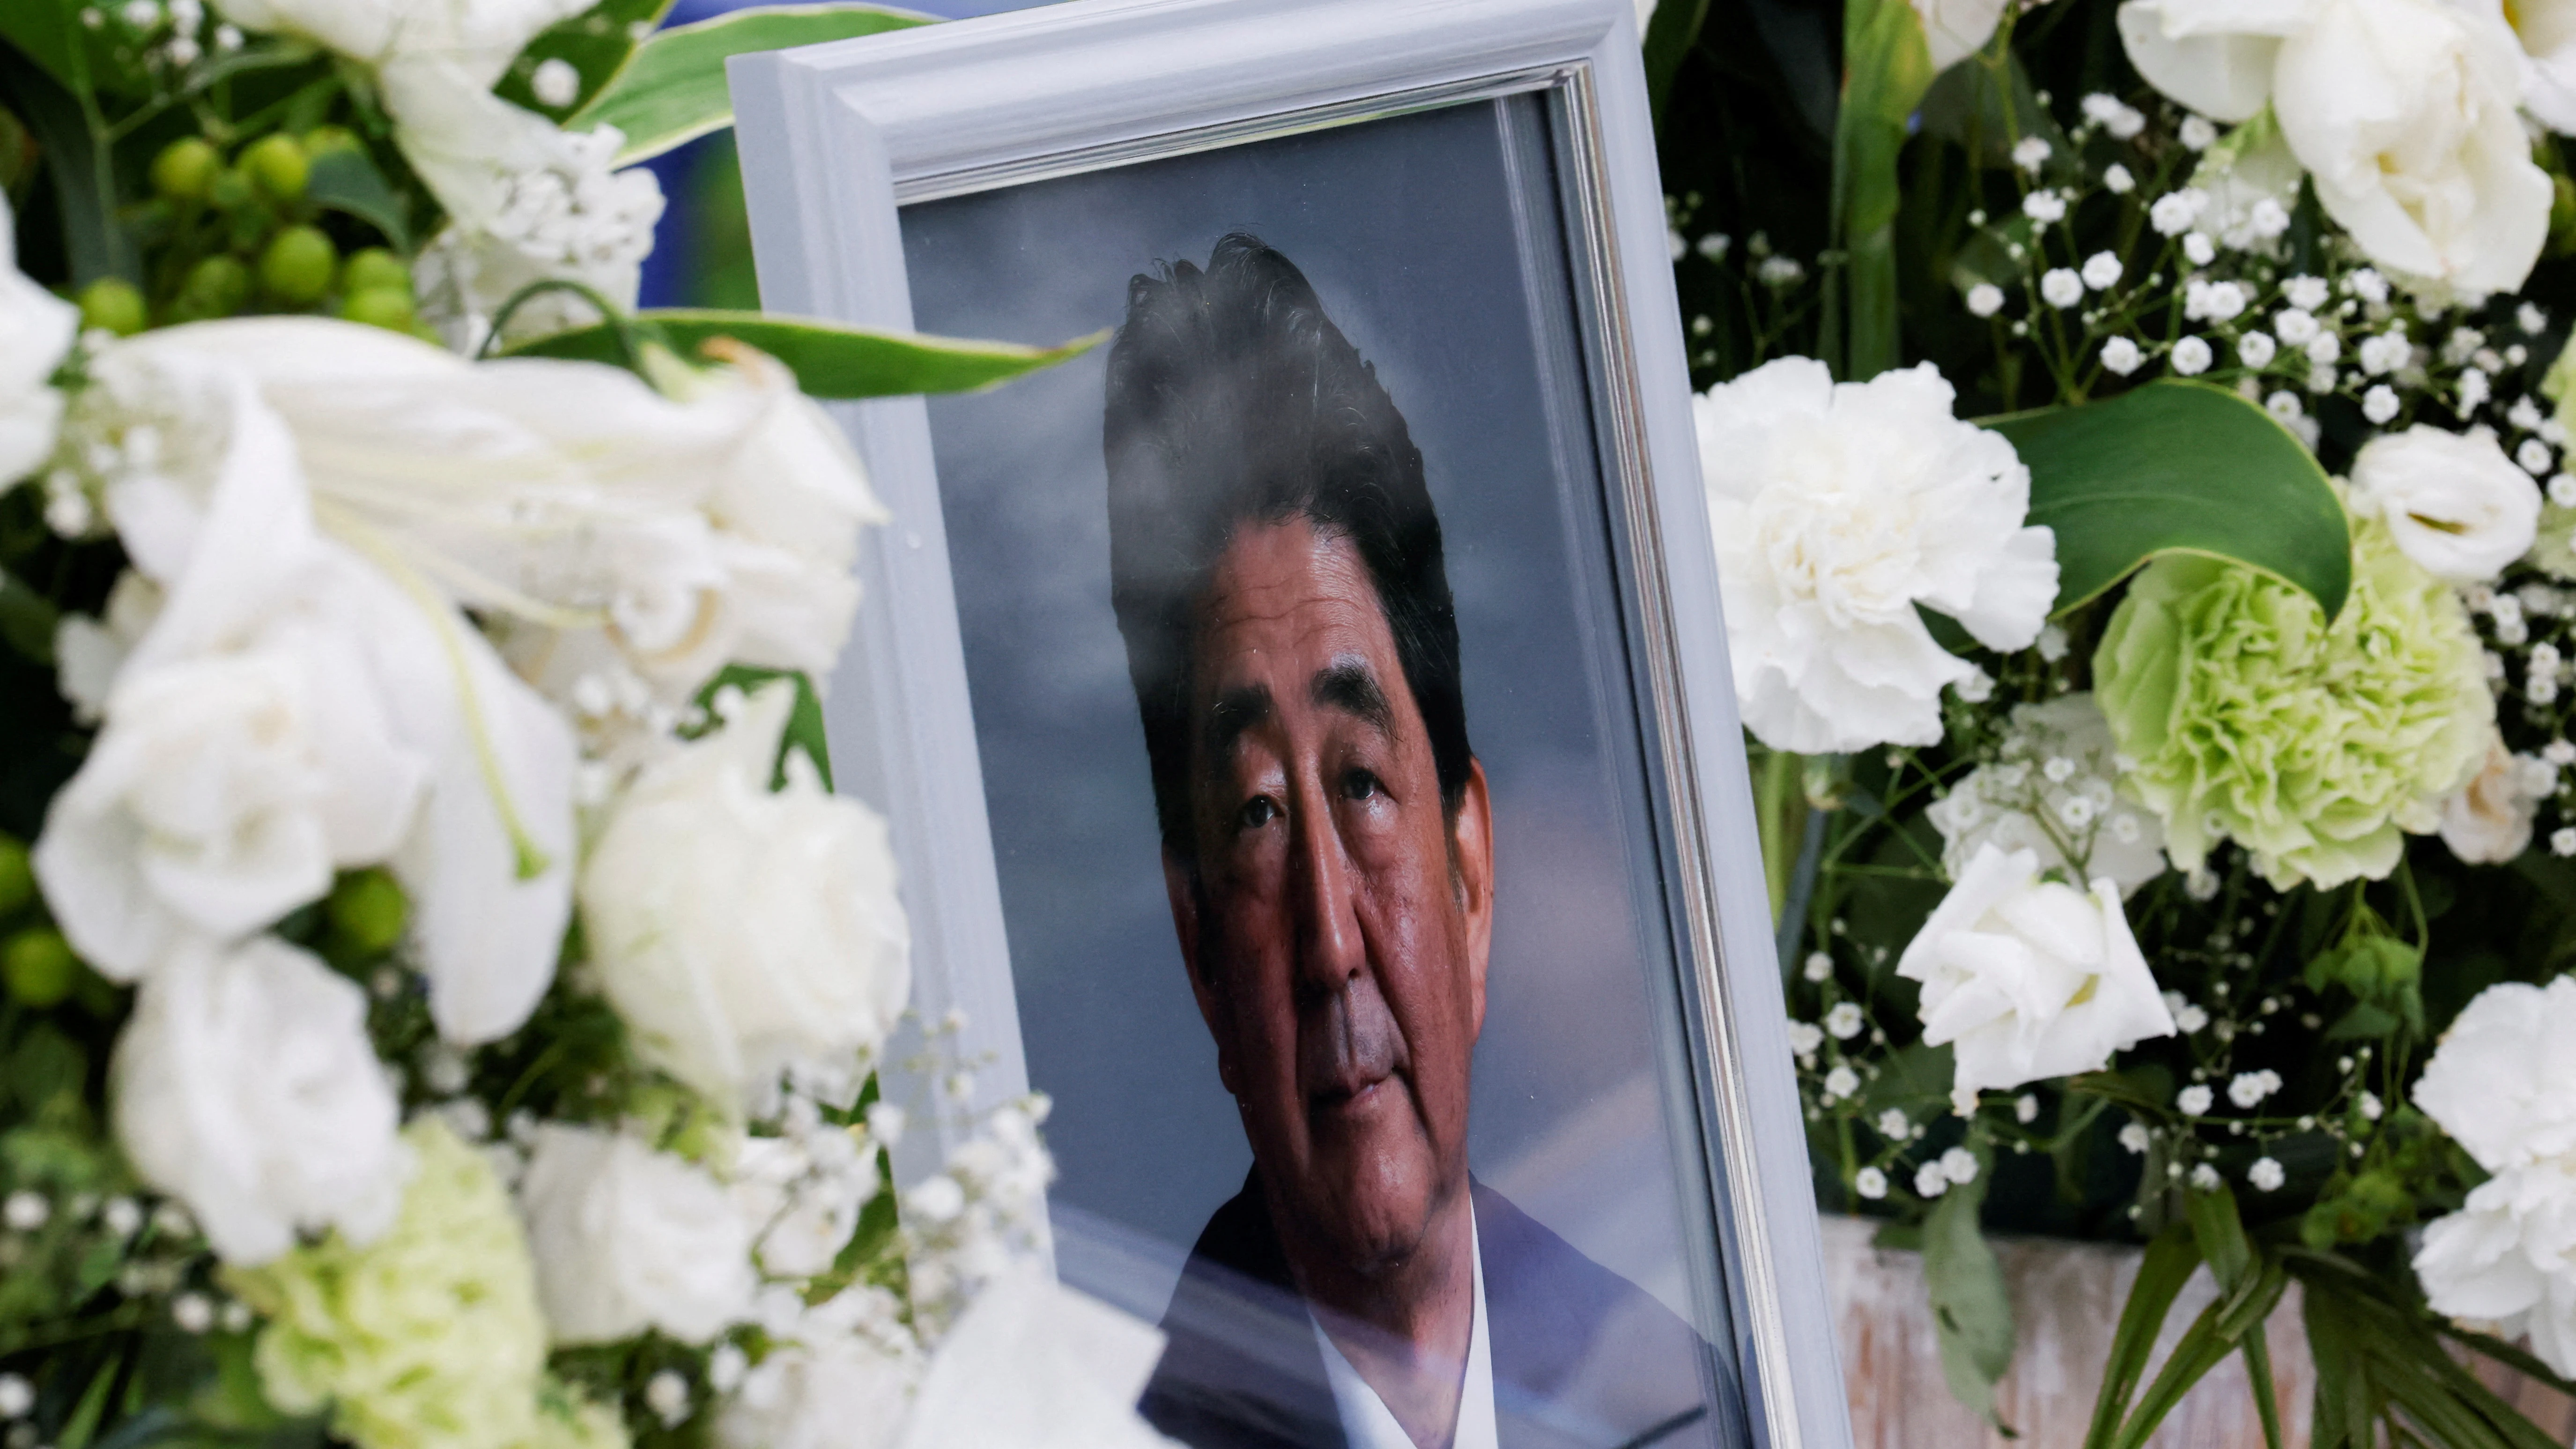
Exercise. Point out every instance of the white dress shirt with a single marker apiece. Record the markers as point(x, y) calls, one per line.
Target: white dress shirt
point(1366, 1421)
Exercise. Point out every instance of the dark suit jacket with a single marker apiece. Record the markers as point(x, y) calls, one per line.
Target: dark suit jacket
point(1583, 1359)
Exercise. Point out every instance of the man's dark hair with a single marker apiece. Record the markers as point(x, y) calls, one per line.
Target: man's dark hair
point(1233, 400)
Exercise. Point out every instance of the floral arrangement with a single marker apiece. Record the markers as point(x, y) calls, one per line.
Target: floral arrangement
point(443, 994)
point(2141, 486)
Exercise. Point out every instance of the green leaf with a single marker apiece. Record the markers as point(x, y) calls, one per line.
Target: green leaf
point(1669, 36)
point(2220, 1232)
point(1971, 1311)
point(829, 360)
point(46, 32)
point(1886, 68)
point(81, 165)
point(2168, 1265)
point(674, 89)
point(1986, 105)
point(2258, 1372)
point(804, 720)
point(598, 44)
point(27, 619)
point(2179, 466)
point(347, 181)
point(2204, 1346)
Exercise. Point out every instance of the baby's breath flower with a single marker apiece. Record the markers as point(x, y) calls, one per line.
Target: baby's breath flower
point(2197, 133)
point(1928, 1181)
point(2044, 207)
point(2102, 271)
point(1985, 299)
point(2193, 1101)
point(2060, 287)
point(1870, 1183)
point(2191, 357)
point(2266, 1175)
point(2117, 180)
point(2255, 349)
point(2030, 153)
point(2121, 355)
point(2379, 404)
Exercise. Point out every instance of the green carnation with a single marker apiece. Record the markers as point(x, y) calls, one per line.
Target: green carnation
point(430, 1337)
point(2312, 745)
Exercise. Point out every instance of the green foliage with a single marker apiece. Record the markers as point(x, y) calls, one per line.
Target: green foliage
point(804, 721)
point(674, 90)
point(1971, 1309)
point(598, 44)
point(2383, 1368)
point(1886, 70)
point(829, 360)
point(2179, 467)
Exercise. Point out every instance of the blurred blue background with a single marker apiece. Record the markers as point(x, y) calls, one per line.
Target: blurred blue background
point(702, 250)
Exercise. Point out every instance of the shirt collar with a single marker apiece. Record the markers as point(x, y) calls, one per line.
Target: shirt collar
point(1366, 1421)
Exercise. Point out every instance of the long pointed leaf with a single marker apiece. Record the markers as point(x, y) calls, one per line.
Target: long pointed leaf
point(2204, 1346)
point(1971, 1309)
point(829, 360)
point(1670, 33)
point(2179, 466)
point(2168, 1264)
point(673, 91)
point(1887, 66)
point(2258, 1372)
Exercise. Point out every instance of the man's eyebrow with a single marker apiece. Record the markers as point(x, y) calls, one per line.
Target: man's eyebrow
point(1348, 685)
point(1234, 711)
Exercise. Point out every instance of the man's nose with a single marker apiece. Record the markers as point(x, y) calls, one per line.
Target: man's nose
point(1330, 949)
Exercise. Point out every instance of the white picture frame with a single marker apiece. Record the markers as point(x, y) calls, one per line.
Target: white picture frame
point(837, 139)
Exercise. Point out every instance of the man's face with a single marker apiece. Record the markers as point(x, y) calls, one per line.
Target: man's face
point(1337, 935)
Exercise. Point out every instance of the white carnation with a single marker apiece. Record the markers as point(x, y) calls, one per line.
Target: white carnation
point(742, 932)
point(2498, 1082)
point(626, 1238)
point(2508, 1258)
point(2029, 979)
point(1836, 510)
point(245, 1086)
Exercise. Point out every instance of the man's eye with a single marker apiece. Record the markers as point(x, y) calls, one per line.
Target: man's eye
point(1258, 811)
point(1361, 785)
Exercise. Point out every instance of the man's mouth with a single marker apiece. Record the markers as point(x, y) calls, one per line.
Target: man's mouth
point(1348, 1097)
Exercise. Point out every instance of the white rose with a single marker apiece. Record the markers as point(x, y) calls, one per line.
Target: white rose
point(741, 931)
point(2029, 979)
point(246, 1087)
point(1836, 509)
point(1955, 29)
point(2072, 819)
point(2546, 30)
point(36, 330)
point(2499, 1083)
point(626, 1238)
point(2453, 501)
point(223, 793)
point(2402, 110)
point(2508, 1257)
point(1034, 1364)
point(2488, 821)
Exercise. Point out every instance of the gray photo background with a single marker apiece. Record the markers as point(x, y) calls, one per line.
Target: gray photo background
point(1405, 227)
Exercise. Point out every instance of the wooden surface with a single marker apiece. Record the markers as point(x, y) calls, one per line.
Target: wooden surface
point(2066, 1302)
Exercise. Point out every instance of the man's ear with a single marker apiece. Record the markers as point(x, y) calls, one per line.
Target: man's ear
point(1180, 884)
point(1472, 834)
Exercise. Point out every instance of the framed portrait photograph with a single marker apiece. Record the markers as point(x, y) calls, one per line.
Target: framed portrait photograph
point(1304, 716)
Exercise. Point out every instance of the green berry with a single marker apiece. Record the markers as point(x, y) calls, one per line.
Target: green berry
point(371, 268)
point(298, 264)
point(112, 304)
point(186, 169)
point(277, 166)
point(17, 882)
point(386, 307)
point(38, 965)
point(216, 287)
point(229, 191)
point(368, 911)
